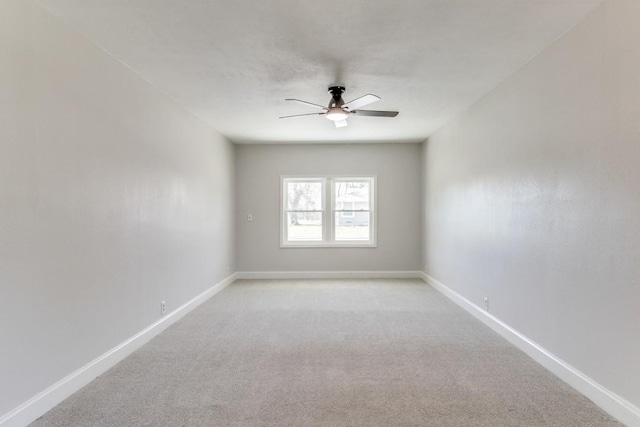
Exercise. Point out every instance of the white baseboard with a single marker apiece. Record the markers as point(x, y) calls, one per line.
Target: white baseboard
point(38, 405)
point(301, 275)
point(615, 405)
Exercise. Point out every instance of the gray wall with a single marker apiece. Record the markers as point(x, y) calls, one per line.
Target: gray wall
point(533, 199)
point(112, 198)
point(258, 171)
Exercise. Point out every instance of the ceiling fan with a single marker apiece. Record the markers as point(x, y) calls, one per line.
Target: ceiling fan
point(338, 110)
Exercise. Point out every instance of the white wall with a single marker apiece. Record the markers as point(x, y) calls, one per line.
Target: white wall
point(258, 171)
point(533, 199)
point(112, 198)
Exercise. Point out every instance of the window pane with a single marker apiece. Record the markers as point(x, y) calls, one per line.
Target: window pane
point(304, 226)
point(352, 195)
point(355, 227)
point(304, 196)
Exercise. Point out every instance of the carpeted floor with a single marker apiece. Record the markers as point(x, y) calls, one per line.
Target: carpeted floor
point(327, 353)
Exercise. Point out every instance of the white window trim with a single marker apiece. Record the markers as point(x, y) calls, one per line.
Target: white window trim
point(329, 211)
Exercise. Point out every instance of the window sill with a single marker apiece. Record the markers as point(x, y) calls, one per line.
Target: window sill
point(327, 245)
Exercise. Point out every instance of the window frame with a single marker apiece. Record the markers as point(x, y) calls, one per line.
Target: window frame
point(329, 212)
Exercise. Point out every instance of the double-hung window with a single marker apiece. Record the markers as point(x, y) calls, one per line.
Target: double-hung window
point(328, 211)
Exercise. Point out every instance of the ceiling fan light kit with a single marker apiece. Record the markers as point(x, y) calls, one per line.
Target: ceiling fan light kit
point(336, 113)
point(338, 110)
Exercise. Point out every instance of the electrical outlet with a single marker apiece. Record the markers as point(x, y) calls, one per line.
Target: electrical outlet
point(163, 308)
point(486, 303)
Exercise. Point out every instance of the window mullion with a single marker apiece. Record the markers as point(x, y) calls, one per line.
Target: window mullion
point(330, 216)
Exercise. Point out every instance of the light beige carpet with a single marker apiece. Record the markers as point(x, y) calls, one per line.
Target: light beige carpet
point(327, 353)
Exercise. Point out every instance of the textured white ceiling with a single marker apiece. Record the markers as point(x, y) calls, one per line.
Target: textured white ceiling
point(232, 63)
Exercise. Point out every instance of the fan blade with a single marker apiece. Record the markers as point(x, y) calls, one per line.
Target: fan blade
point(307, 103)
point(300, 115)
point(361, 102)
point(341, 123)
point(374, 113)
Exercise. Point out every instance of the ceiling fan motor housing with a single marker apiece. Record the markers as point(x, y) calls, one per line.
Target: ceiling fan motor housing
point(336, 112)
point(336, 95)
